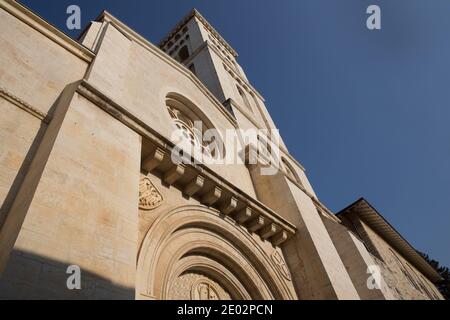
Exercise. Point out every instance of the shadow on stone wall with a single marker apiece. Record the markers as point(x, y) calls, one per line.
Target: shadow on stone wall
point(19, 197)
point(33, 277)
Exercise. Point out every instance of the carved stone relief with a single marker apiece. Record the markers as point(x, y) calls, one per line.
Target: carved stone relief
point(149, 197)
point(194, 286)
point(204, 289)
point(279, 262)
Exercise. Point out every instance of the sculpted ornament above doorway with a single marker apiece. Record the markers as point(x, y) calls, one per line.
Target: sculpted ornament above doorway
point(149, 197)
point(278, 259)
point(204, 289)
point(196, 286)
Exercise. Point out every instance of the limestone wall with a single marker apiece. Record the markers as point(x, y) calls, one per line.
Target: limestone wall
point(18, 131)
point(33, 66)
point(172, 233)
point(139, 77)
point(357, 261)
point(404, 280)
point(84, 212)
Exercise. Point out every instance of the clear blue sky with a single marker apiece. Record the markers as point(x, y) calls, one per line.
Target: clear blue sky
point(366, 112)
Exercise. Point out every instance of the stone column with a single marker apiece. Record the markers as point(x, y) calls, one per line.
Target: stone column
point(78, 206)
point(357, 261)
point(317, 270)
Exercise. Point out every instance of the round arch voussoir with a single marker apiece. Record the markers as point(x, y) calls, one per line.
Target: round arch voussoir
point(197, 238)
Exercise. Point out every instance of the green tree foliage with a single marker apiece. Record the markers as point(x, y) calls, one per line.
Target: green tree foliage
point(444, 285)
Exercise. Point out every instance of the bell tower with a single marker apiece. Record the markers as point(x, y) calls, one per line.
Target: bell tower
point(198, 46)
point(318, 272)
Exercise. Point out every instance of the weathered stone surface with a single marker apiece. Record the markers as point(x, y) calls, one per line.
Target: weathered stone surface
point(87, 178)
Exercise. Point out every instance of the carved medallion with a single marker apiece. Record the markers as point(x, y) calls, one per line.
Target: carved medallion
point(204, 290)
point(149, 196)
point(195, 286)
point(279, 262)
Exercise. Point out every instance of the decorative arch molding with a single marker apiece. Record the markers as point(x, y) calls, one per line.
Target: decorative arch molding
point(290, 172)
point(205, 265)
point(188, 107)
point(199, 239)
point(193, 125)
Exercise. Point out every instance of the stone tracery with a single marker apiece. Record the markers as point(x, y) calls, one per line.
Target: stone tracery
point(192, 128)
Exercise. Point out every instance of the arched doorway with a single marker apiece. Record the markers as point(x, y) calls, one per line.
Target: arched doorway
point(193, 252)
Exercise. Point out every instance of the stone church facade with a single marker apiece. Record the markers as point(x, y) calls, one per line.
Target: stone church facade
point(87, 179)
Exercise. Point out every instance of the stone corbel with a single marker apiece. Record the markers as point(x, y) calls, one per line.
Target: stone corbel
point(279, 238)
point(244, 215)
point(231, 201)
point(268, 231)
point(194, 186)
point(256, 224)
point(174, 174)
point(212, 196)
point(228, 206)
point(153, 161)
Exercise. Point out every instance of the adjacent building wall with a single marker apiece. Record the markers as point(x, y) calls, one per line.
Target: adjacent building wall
point(404, 280)
point(358, 262)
